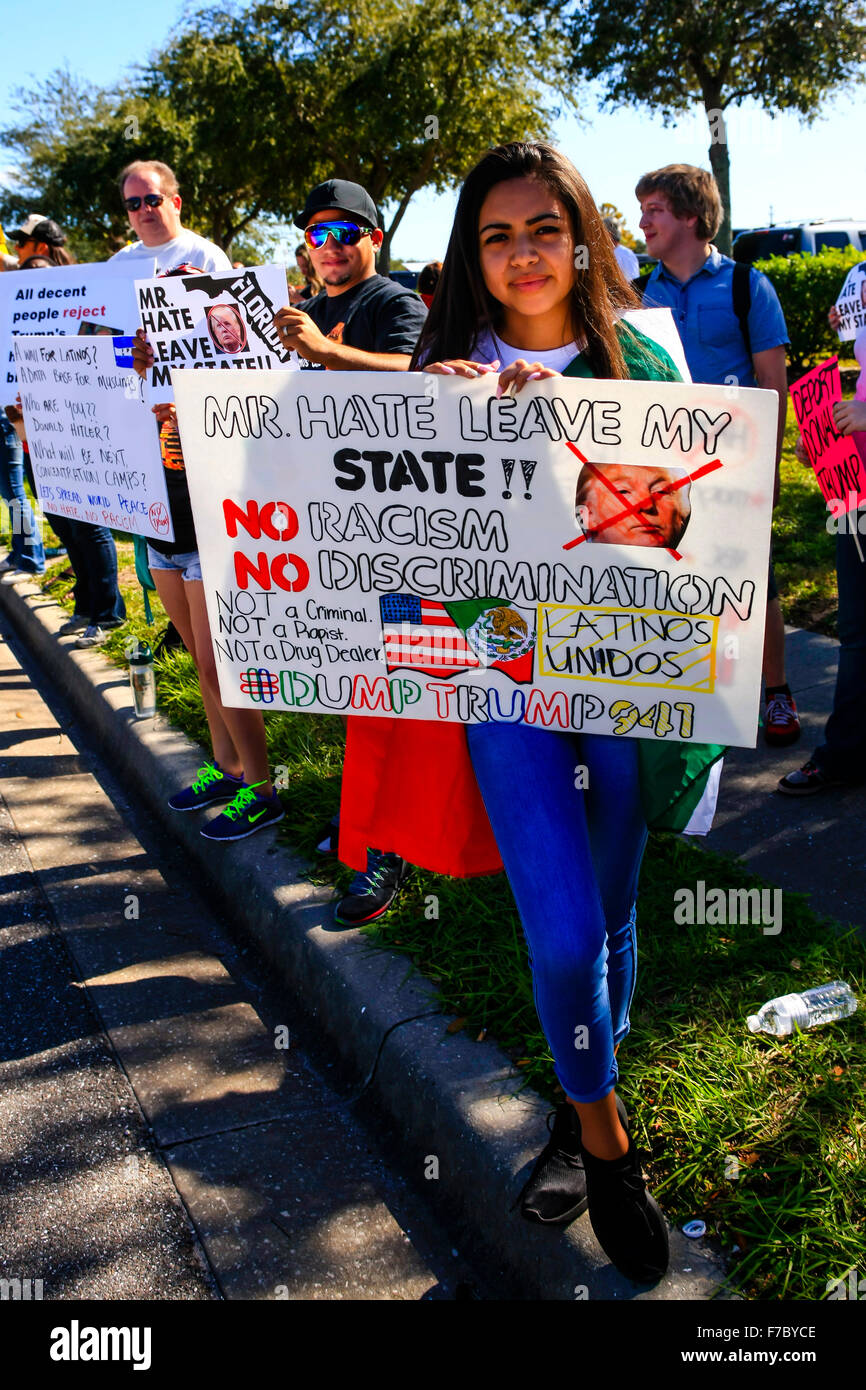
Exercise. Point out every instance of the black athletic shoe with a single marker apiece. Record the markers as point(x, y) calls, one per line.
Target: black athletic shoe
point(372, 892)
point(806, 781)
point(627, 1221)
point(555, 1192)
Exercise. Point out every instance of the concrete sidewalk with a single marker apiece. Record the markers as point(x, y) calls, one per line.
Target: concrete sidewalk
point(164, 1131)
point(448, 1097)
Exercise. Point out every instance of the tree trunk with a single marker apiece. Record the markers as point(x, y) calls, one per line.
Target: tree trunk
point(384, 260)
point(419, 181)
point(721, 166)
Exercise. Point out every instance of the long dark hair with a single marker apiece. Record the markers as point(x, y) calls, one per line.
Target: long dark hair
point(463, 307)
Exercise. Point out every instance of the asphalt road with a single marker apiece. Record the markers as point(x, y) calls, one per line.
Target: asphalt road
point(167, 1128)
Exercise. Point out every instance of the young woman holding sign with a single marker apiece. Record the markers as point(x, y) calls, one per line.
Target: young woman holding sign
point(238, 773)
point(530, 288)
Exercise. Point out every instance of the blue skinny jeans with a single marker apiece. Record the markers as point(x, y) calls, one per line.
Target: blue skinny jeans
point(573, 856)
point(26, 551)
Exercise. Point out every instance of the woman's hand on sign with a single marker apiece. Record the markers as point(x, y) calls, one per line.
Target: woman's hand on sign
point(800, 450)
point(849, 416)
point(142, 354)
point(460, 366)
point(834, 318)
point(515, 377)
point(165, 411)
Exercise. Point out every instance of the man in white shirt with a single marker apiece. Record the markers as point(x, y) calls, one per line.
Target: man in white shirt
point(150, 195)
point(628, 261)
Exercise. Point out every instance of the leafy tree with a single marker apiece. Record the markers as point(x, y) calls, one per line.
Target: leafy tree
point(415, 90)
point(253, 107)
point(665, 54)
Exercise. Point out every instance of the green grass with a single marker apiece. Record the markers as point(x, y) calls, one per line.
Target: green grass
point(708, 1100)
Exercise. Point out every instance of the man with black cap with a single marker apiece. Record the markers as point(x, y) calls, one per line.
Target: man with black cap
point(360, 321)
point(38, 236)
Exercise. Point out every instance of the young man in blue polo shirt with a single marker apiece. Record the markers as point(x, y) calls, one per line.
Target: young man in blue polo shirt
point(729, 339)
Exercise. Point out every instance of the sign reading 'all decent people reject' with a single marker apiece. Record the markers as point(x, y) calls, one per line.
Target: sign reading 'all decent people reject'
point(83, 301)
point(589, 555)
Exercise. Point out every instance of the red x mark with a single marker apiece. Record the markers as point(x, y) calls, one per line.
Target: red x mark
point(628, 508)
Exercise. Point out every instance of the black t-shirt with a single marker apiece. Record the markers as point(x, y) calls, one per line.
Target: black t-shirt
point(177, 492)
point(378, 315)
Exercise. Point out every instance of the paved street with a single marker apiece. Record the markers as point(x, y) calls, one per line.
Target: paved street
point(166, 1131)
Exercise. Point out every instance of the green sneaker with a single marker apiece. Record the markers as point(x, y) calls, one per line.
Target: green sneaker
point(246, 814)
point(210, 786)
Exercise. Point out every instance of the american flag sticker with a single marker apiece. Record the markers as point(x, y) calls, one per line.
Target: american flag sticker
point(420, 633)
point(426, 636)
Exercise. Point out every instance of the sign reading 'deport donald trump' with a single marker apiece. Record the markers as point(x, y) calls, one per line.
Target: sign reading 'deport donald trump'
point(834, 457)
point(589, 555)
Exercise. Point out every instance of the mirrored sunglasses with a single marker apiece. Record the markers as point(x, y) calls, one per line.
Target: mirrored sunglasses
point(344, 233)
point(150, 200)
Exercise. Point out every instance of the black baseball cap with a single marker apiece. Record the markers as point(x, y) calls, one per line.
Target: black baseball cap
point(345, 196)
point(36, 228)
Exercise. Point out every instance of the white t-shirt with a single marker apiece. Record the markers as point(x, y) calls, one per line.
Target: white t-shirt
point(187, 248)
point(490, 346)
point(628, 261)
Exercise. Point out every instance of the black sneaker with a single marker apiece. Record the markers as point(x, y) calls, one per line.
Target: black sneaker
point(806, 781)
point(372, 892)
point(555, 1192)
point(626, 1219)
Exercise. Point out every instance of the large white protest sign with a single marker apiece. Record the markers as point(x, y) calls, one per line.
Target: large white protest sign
point(93, 442)
point(588, 555)
point(84, 300)
point(224, 320)
point(851, 303)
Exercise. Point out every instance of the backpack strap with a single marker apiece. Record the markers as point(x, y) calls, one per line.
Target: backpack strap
point(741, 292)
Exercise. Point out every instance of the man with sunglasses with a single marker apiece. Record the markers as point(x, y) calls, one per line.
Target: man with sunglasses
point(150, 195)
point(360, 321)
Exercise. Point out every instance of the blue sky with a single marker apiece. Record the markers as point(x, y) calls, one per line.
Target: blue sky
point(798, 172)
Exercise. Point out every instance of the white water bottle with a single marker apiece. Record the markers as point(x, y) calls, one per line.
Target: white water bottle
point(823, 1004)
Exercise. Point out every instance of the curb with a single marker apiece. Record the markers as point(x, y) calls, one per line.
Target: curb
point(443, 1096)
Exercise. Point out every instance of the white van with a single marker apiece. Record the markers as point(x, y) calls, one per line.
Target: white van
point(806, 237)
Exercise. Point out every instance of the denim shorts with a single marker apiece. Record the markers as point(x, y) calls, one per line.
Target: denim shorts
point(187, 561)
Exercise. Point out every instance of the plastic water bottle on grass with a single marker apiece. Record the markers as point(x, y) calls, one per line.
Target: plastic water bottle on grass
point(823, 1004)
point(142, 679)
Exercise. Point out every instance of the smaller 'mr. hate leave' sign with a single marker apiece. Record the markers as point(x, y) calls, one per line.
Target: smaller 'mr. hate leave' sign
point(84, 301)
point(222, 321)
